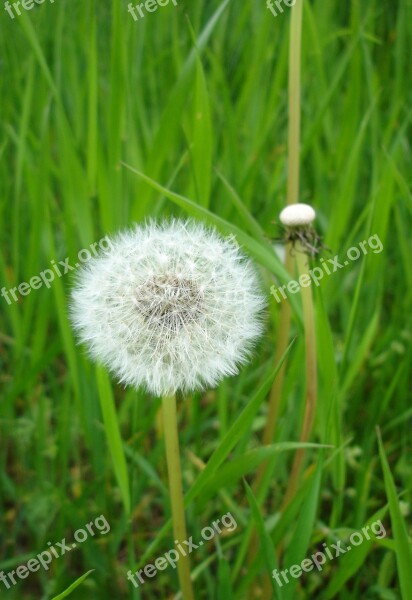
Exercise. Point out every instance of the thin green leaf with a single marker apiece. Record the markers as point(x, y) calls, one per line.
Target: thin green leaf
point(352, 561)
point(230, 473)
point(73, 586)
point(299, 544)
point(235, 432)
point(113, 435)
point(400, 534)
point(202, 142)
point(265, 540)
point(253, 226)
point(224, 585)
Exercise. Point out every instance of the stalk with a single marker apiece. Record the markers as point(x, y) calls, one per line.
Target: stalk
point(302, 261)
point(170, 431)
point(275, 397)
point(292, 198)
point(294, 103)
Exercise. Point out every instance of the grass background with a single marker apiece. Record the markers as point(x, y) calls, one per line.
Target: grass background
point(188, 95)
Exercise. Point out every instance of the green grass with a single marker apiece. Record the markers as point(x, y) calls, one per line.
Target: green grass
point(107, 121)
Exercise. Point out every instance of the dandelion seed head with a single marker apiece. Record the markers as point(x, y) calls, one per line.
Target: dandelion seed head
point(172, 306)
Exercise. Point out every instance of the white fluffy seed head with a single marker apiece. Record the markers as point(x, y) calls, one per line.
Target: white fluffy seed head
point(172, 306)
point(297, 215)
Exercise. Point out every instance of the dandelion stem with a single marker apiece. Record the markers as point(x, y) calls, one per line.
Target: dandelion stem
point(176, 491)
point(302, 261)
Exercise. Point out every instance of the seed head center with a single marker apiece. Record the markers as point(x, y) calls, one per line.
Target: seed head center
point(169, 301)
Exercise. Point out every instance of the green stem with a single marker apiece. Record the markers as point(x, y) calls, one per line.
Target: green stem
point(310, 369)
point(176, 491)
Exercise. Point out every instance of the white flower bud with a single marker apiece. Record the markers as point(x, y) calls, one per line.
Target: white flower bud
point(297, 215)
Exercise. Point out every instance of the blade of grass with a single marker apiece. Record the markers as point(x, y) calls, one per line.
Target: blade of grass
point(268, 550)
point(114, 439)
point(400, 534)
point(299, 543)
point(351, 562)
point(73, 586)
point(231, 472)
point(201, 137)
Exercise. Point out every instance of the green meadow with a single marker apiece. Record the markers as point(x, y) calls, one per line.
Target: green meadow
point(108, 121)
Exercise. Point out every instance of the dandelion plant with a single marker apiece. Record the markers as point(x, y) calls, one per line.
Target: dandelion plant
point(297, 220)
point(173, 307)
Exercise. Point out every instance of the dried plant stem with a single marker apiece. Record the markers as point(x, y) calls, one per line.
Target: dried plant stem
point(302, 261)
point(276, 391)
point(170, 431)
point(292, 198)
point(294, 103)
point(271, 421)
